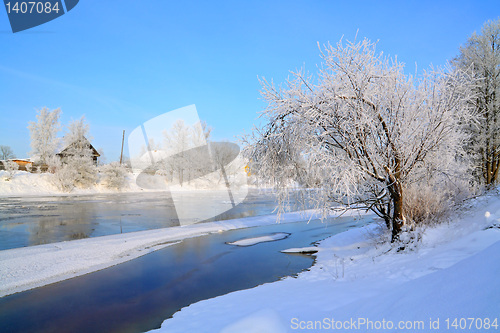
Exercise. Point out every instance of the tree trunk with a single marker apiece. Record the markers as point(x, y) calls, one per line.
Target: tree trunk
point(495, 171)
point(492, 169)
point(398, 217)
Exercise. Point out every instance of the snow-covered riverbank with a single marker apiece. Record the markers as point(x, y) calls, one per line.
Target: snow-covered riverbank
point(359, 285)
point(24, 183)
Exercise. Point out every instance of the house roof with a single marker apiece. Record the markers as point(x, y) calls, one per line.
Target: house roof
point(87, 142)
point(25, 160)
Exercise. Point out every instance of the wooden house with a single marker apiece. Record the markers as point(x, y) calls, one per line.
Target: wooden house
point(66, 153)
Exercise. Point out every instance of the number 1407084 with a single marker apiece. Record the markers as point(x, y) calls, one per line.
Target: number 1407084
point(471, 323)
point(30, 7)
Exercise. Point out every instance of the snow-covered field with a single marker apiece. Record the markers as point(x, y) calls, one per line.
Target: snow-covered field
point(448, 283)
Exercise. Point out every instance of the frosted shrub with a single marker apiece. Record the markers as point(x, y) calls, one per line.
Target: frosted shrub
point(113, 175)
point(79, 172)
point(86, 171)
point(11, 168)
point(64, 178)
point(424, 205)
point(53, 164)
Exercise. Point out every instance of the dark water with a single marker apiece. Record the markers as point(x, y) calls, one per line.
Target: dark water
point(40, 220)
point(139, 295)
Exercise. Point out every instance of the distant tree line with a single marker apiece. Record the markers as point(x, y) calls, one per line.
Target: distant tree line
point(186, 154)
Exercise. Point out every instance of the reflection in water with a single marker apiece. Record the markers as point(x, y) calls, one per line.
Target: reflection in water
point(42, 220)
point(76, 225)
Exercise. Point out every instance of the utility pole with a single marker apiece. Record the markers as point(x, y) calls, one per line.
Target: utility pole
point(121, 155)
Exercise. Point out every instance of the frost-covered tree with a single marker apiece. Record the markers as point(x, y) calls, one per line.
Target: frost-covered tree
point(11, 168)
point(177, 139)
point(44, 141)
point(177, 143)
point(64, 175)
point(363, 132)
point(113, 175)
point(198, 164)
point(77, 164)
point(189, 154)
point(6, 153)
point(200, 133)
point(481, 54)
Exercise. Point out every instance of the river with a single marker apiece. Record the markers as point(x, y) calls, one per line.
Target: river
point(27, 221)
point(140, 294)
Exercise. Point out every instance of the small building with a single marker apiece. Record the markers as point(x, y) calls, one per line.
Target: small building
point(66, 153)
point(24, 164)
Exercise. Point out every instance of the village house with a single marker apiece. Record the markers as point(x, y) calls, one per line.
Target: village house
point(67, 152)
point(64, 155)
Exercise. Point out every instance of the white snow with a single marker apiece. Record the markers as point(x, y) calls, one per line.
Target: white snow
point(453, 273)
point(34, 184)
point(309, 249)
point(260, 239)
point(39, 184)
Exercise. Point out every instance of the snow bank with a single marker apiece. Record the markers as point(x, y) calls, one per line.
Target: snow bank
point(26, 183)
point(261, 239)
point(453, 273)
point(39, 184)
point(34, 184)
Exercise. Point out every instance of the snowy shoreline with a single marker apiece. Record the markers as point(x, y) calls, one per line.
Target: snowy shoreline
point(25, 184)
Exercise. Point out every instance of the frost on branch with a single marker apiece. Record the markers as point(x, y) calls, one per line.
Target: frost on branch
point(363, 132)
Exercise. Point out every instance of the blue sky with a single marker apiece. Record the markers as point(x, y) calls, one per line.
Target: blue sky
point(120, 63)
